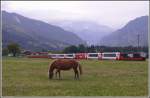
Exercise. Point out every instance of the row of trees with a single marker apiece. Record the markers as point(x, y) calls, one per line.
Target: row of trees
point(92, 48)
point(14, 49)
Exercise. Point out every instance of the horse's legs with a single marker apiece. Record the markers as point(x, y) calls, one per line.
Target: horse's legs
point(56, 73)
point(76, 73)
point(59, 74)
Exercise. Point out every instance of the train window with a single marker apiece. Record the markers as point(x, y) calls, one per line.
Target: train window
point(109, 55)
point(61, 55)
point(70, 55)
point(127, 55)
point(93, 55)
point(130, 55)
point(136, 55)
point(124, 55)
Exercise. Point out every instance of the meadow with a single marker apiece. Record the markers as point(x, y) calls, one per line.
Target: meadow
point(29, 77)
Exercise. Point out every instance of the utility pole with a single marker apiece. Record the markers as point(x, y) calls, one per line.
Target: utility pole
point(138, 37)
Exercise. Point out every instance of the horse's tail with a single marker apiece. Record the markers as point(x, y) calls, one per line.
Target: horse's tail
point(80, 69)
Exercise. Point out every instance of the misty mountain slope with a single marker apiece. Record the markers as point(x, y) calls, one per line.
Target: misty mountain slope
point(128, 35)
point(89, 31)
point(34, 34)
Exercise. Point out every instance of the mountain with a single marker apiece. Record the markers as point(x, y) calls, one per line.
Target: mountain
point(34, 34)
point(89, 31)
point(128, 35)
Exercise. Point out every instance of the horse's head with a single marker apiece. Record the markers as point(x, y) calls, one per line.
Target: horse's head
point(50, 75)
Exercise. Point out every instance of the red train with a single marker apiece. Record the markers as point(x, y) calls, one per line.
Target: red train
point(38, 55)
point(101, 56)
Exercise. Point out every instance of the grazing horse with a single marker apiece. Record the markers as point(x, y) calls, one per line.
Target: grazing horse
point(65, 64)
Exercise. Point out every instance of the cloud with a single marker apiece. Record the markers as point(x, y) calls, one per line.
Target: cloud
point(111, 13)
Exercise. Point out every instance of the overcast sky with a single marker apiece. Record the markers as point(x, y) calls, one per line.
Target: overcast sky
point(111, 13)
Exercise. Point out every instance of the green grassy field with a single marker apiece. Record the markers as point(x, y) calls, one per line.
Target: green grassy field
point(29, 77)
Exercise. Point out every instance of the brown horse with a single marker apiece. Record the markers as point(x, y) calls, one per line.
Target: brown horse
point(65, 64)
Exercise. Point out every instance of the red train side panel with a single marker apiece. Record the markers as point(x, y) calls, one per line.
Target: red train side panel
point(80, 56)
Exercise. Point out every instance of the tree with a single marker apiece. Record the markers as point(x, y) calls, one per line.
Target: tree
point(71, 49)
point(91, 49)
point(81, 48)
point(13, 48)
